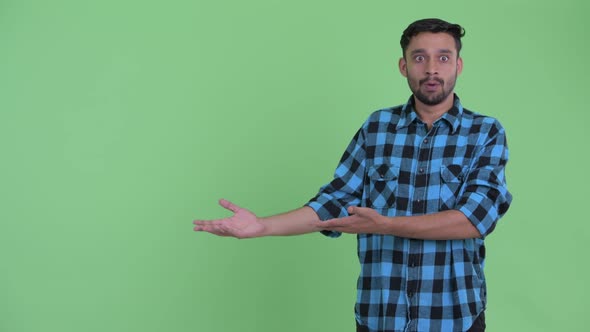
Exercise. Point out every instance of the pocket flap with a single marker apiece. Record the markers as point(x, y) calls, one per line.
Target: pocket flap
point(383, 172)
point(452, 173)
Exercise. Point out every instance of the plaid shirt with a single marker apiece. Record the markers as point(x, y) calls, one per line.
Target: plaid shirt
point(399, 167)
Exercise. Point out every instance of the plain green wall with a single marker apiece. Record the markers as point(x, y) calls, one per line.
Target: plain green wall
point(122, 121)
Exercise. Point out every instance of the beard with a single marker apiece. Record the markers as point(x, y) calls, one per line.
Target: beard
point(432, 99)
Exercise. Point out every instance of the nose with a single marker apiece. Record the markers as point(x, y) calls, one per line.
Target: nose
point(431, 67)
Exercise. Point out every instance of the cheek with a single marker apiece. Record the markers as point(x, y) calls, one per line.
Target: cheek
point(415, 71)
point(413, 77)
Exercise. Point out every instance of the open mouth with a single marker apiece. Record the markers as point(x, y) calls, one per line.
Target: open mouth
point(431, 85)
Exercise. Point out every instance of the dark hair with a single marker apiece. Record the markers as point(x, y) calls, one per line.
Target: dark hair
point(432, 25)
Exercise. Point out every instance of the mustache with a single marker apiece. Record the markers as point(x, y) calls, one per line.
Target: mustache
point(430, 78)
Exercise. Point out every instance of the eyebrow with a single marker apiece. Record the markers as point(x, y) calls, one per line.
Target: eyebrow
point(422, 50)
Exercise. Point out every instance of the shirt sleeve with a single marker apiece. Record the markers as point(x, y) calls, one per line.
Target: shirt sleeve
point(346, 188)
point(485, 198)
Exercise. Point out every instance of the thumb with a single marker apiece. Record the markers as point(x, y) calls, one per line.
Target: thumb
point(229, 205)
point(360, 211)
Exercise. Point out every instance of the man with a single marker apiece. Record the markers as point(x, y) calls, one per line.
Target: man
point(422, 185)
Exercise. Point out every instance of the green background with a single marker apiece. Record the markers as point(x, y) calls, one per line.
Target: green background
point(122, 121)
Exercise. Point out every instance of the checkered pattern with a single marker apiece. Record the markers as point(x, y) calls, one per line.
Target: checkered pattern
point(397, 166)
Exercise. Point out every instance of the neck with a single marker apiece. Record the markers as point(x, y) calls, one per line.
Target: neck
point(430, 113)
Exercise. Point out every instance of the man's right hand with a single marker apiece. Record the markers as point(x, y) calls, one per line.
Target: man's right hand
point(242, 224)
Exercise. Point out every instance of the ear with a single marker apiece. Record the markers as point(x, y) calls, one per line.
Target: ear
point(403, 67)
point(459, 66)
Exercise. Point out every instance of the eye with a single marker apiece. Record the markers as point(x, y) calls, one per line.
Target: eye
point(419, 58)
point(444, 58)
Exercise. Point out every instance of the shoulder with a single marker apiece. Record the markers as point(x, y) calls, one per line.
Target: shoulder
point(481, 123)
point(482, 130)
point(384, 116)
point(394, 111)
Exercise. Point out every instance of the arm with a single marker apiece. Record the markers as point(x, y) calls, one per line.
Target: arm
point(300, 221)
point(245, 224)
point(445, 225)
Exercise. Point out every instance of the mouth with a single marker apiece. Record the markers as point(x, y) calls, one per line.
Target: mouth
point(431, 84)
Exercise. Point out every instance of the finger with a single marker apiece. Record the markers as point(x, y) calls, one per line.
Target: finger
point(332, 227)
point(204, 228)
point(338, 228)
point(229, 205)
point(201, 228)
point(351, 210)
point(356, 210)
point(335, 223)
point(361, 211)
point(327, 223)
point(207, 222)
point(213, 229)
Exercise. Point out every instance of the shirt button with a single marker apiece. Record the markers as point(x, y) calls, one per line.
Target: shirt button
point(421, 170)
point(426, 141)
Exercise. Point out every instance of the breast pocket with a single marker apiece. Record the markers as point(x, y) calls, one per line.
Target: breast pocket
point(383, 180)
point(452, 178)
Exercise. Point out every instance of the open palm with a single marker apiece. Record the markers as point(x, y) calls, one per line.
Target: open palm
point(242, 224)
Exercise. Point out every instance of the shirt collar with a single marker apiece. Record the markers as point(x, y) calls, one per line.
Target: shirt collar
point(452, 116)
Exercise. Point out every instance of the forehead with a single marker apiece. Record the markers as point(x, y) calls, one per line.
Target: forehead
point(432, 42)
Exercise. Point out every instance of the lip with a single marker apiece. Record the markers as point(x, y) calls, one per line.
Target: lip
point(431, 85)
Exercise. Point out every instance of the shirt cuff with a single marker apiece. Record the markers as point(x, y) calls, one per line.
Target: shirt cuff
point(323, 214)
point(484, 219)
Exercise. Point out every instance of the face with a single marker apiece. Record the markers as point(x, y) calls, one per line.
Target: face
point(431, 65)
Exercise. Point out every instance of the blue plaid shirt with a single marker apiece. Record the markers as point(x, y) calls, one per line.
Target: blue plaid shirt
point(399, 167)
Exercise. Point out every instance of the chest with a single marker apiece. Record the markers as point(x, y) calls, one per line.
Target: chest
point(417, 170)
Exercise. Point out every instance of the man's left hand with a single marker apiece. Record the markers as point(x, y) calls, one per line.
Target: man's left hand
point(362, 220)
